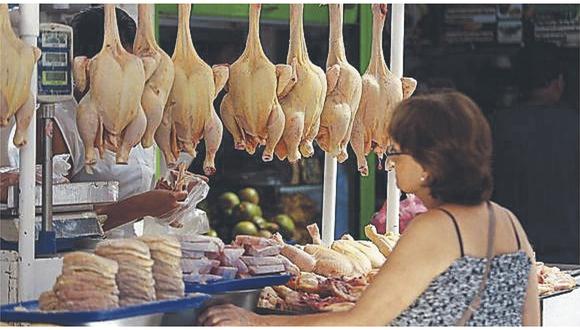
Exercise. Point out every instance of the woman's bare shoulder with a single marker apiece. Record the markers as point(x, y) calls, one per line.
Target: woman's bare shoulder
point(432, 230)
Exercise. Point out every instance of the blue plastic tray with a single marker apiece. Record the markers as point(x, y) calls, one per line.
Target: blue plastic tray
point(34, 315)
point(256, 282)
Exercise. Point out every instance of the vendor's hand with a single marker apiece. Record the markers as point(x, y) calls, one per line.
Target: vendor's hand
point(228, 315)
point(162, 184)
point(160, 201)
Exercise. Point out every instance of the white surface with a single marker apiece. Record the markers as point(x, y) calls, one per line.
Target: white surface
point(397, 43)
point(29, 25)
point(329, 200)
point(8, 277)
point(563, 310)
point(45, 271)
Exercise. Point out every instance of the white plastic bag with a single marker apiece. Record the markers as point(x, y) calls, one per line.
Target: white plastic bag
point(60, 169)
point(186, 219)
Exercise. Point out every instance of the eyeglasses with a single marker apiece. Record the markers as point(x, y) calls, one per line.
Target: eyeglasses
point(391, 151)
point(389, 154)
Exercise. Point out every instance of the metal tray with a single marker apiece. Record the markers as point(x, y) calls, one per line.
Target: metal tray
point(72, 193)
point(143, 314)
point(256, 282)
point(247, 299)
point(67, 225)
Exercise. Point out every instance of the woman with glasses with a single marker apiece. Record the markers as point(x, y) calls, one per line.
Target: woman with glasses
point(466, 261)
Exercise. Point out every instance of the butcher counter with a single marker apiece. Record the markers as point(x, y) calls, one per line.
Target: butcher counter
point(561, 309)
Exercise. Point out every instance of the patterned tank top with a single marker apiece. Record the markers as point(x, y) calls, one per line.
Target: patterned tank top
point(450, 293)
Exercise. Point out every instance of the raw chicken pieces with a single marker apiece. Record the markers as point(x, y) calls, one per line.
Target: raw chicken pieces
point(343, 94)
point(382, 91)
point(110, 114)
point(158, 65)
point(17, 60)
point(250, 110)
point(303, 99)
point(190, 104)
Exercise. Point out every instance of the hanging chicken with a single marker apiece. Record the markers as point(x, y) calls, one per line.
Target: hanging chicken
point(250, 110)
point(191, 99)
point(382, 92)
point(343, 94)
point(110, 114)
point(17, 60)
point(159, 65)
point(301, 101)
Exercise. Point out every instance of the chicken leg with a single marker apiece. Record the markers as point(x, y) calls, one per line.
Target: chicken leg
point(275, 131)
point(88, 124)
point(23, 117)
point(228, 116)
point(213, 132)
point(131, 136)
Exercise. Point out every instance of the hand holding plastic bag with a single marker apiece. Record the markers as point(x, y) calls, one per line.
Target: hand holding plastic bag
point(186, 218)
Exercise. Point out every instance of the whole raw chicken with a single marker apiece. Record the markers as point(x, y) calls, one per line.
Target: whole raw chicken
point(343, 94)
point(191, 99)
point(329, 263)
point(250, 110)
point(158, 64)
point(17, 60)
point(303, 103)
point(110, 114)
point(382, 91)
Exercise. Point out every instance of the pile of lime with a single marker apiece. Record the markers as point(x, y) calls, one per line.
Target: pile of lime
point(243, 214)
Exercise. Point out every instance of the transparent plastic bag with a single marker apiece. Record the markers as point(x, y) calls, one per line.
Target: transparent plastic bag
point(60, 169)
point(187, 219)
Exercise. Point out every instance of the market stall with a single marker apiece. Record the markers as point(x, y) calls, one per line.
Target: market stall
point(253, 239)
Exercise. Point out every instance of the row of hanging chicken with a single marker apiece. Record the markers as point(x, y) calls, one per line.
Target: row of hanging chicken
point(148, 97)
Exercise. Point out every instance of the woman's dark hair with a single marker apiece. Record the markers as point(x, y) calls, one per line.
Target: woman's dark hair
point(89, 30)
point(449, 136)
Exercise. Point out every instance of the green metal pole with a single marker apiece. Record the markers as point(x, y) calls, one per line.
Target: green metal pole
point(366, 184)
point(158, 158)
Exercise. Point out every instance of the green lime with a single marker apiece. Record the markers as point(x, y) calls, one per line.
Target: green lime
point(249, 195)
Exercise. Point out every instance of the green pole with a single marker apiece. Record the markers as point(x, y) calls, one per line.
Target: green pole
point(366, 184)
point(158, 158)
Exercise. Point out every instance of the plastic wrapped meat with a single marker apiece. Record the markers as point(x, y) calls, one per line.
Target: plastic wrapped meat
point(200, 247)
point(260, 270)
point(196, 241)
point(258, 242)
point(213, 255)
point(201, 278)
point(272, 250)
point(261, 261)
point(241, 266)
point(227, 273)
point(198, 266)
point(192, 254)
point(230, 255)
